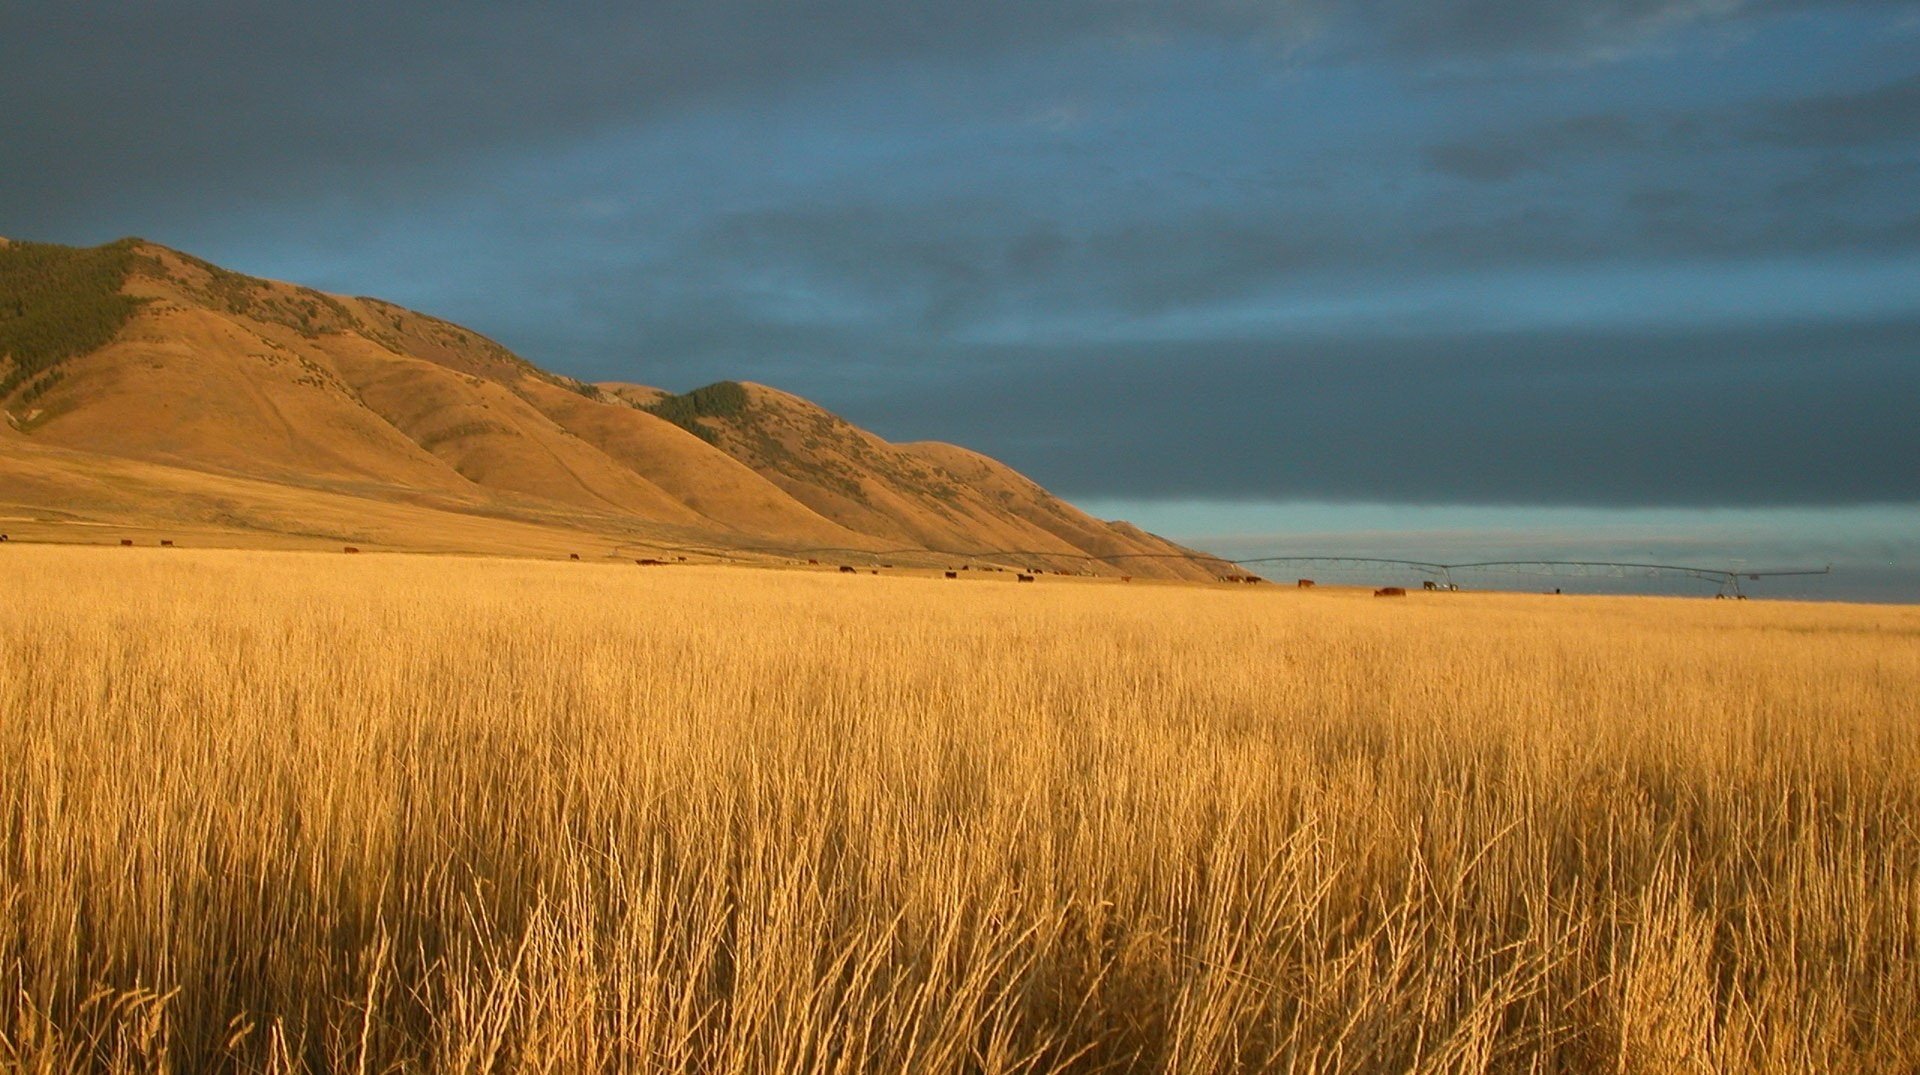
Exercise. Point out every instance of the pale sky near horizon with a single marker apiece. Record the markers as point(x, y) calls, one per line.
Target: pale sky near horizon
point(1871, 549)
point(1603, 277)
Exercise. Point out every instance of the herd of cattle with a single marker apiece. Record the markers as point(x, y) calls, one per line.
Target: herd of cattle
point(1029, 575)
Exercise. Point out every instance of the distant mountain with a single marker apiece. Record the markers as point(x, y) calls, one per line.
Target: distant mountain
point(143, 386)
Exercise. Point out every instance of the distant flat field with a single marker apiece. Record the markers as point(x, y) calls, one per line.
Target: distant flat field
point(301, 811)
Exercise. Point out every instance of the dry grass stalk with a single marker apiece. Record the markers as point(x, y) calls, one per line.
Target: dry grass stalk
point(286, 812)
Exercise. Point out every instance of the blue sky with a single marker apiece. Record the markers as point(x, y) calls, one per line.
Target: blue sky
point(1604, 278)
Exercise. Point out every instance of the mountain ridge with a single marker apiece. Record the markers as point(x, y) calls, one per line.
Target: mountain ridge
point(134, 353)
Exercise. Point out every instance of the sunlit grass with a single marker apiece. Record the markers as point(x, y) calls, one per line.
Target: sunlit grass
point(279, 812)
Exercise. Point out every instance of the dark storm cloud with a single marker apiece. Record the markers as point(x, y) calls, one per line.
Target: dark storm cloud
point(681, 192)
point(1838, 121)
point(1482, 27)
point(1888, 113)
point(1874, 118)
point(1496, 155)
point(1819, 414)
point(1819, 173)
point(943, 266)
point(183, 104)
point(940, 266)
point(246, 99)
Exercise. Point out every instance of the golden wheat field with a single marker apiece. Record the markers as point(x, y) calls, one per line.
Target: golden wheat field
point(274, 812)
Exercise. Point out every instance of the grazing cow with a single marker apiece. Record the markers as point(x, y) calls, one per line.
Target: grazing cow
point(573, 556)
point(813, 561)
point(682, 559)
point(351, 548)
point(845, 570)
point(166, 543)
point(126, 541)
point(1390, 591)
point(953, 574)
point(1023, 578)
point(3, 537)
point(875, 571)
point(1304, 584)
point(1126, 578)
point(1429, 584)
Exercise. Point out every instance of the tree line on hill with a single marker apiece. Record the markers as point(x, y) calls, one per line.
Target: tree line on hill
point(57, 302)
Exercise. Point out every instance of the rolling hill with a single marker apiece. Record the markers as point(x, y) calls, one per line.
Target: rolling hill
point(145, 389)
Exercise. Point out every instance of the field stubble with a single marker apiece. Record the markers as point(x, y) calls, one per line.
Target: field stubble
point(284, 812)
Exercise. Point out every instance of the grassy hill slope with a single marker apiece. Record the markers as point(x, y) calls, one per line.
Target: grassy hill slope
point(135, 353)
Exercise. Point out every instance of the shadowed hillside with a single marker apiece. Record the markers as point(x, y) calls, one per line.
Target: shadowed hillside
point(933, 495)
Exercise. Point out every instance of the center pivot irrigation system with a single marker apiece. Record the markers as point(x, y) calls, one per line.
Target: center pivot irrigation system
point(1726, 580)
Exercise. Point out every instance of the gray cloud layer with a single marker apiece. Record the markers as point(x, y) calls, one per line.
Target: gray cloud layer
point(1082, 255)
point(217, 99)
point(1808, 415)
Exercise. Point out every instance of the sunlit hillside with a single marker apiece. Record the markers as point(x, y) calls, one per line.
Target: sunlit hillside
point(278, 812)
point(144, 389)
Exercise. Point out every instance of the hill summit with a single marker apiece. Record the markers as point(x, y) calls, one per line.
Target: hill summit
point(144, 388)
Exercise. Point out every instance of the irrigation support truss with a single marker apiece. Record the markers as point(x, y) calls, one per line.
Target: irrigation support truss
point(1725, 579)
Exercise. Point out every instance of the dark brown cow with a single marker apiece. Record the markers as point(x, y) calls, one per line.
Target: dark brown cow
point(3, 537)
point(651, 563)
point(573, 556)
point(1304, 584)
point(845, 570)
point(1390, 591)
point(813, 561)
point(1126, 578)
point(166, 543)
point(1023, 578)
point(1429, 584)
point(126, 541)
point(351, 548)
point(953, 574)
